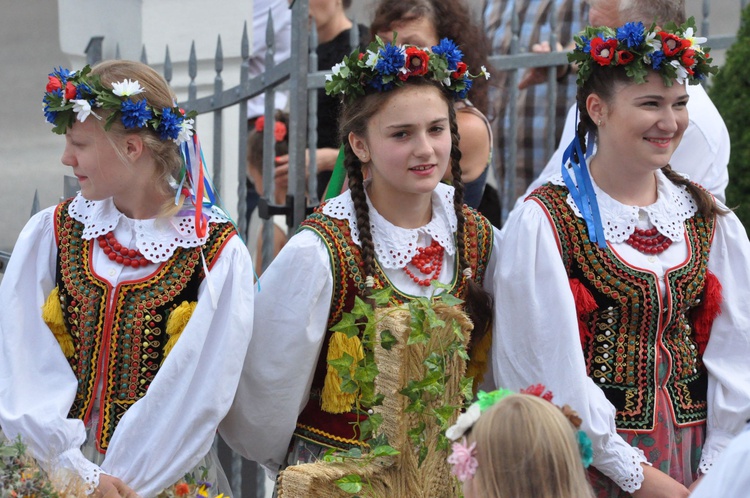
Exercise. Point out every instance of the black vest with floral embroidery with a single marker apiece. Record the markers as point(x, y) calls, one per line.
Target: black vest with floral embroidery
point(632, 323)
point(335, 430)
point(126, 339)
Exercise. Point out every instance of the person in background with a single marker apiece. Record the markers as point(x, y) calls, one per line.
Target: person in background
point(424, 23)
point(128, 308)
point(625, 284)
point(281, 181)
point(534, 18)
point(282, 32)
point(520, 445)
point(703, 153)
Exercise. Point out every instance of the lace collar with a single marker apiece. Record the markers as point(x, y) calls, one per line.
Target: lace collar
point(673, 206)
point(394, 246)
point(157, 239)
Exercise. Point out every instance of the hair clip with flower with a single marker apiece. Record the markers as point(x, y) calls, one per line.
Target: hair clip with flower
point(279, 128)
point(674, 52)
point(463, 456)
point(384, 66)
point(76, 95)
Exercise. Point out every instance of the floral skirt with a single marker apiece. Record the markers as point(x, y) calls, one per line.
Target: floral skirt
point(673, 450)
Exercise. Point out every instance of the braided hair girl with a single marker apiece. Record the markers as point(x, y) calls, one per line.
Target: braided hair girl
point(397, 226)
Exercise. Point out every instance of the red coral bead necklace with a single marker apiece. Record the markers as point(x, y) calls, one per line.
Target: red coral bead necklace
point(120, 254)
point(649, 241)
point(429, 262)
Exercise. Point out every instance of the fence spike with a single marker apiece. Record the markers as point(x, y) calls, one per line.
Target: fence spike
point(35, 203)
point(167, 66)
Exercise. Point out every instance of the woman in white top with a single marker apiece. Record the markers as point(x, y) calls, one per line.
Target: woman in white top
point(127, 309)
point(401, 228)
point(626, 292)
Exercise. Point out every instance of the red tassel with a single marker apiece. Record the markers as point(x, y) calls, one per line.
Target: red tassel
point(585, 305)
point(704, 315)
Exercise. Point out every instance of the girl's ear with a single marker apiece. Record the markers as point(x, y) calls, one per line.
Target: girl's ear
point(596, 108)
point(359, 147)
point(133, 147)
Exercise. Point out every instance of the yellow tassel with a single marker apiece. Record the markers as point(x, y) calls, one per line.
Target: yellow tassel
point(52, 315)
point(176, 323)
point(477, 366)
point(333, 399)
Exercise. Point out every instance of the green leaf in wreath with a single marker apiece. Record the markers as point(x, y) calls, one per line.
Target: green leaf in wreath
point(385, 450)
point(347, 325)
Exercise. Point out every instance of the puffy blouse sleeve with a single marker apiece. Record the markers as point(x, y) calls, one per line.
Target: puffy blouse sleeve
point(37, 385)
point(538, 338)
point(291, 312)
point(727, 354)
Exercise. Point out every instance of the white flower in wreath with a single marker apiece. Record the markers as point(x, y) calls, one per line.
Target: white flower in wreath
point(695, 41)
point(186, 131)
point(465, 422)
point(682, 73)
point(127, 88)
point(372, 59)
point(82, 108)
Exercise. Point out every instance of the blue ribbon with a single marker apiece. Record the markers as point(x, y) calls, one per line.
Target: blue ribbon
point(582, 190)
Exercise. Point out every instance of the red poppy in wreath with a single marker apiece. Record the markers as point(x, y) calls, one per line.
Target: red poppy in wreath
point(416, 63)
point(603, 51)
point(672, 44)
point(688, 58)
point(624, 57)
point(53, 84)
point(460, 71)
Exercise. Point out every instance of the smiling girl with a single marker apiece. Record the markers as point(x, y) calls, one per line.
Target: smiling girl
point(400, 228)
point(127, 309)
point(626, 284)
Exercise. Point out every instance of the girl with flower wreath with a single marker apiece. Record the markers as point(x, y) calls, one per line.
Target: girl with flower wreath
point(400, 228)
point(626, 285)
point(423, 23)
point(521, 446)
point(127, 309)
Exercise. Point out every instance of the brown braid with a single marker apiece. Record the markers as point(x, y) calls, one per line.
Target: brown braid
point(357, 189)
point(478, 303)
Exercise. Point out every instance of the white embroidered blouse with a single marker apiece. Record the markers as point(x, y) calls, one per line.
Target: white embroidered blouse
point(540, 341)
point(165, 433)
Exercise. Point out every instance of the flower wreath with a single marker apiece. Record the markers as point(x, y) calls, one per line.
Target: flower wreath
point(385, 66)
point(463, 456)
point(674, 52)
point(75, 95)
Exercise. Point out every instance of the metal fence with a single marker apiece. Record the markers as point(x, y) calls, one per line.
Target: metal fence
point(300, 75)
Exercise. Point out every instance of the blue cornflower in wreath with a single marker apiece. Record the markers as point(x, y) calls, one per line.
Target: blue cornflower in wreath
point(135, 114)
point(170, 125)
point(450, 50)
point(631, 34)
point(390, 60)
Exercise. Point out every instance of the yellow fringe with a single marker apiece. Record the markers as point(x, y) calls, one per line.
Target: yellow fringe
point(477, 366)
point(52, 315)
point(176, 323)
point(333, 399)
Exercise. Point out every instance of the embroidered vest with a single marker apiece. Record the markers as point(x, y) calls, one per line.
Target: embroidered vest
point(338, 430)
point(630, 324)
point(127, 340)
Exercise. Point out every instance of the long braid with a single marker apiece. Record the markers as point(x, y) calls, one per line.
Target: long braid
point(357, 189)
point(706, 203)
point(478, 303)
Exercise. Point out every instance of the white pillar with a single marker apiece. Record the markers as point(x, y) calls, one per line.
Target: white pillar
point(156, 24)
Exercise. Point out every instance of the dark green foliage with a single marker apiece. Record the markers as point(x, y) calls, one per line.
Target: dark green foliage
point(730, 93)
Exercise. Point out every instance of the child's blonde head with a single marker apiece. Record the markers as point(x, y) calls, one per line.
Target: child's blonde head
point(526, 448)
